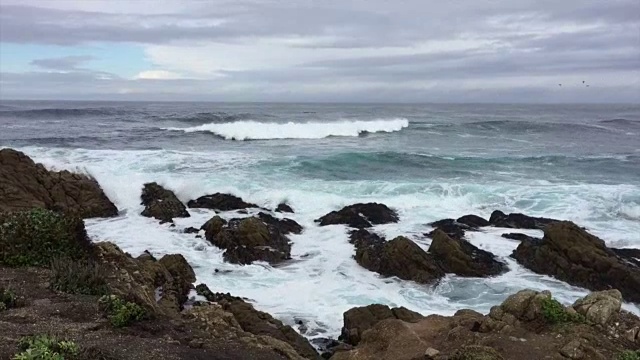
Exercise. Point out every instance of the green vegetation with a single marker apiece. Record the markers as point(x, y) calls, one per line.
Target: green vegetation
point(120, 312)
point(44, 347)
point(78, 277)
point(628, 355)
point(8, 299)
point(555, 313)
point(35, 237)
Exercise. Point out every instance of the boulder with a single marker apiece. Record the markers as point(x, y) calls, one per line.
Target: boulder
point(258, 322)
point(191, 230)
point(247, 240)
point(450, 227)
point(519, 221)
point(359, 319)
point(473, 221)
point(26, 185)
point(462, 258)
point(284, 208)
point(360, 216)
point(161, 203)
point(222, 202)
point(519, 237)
point(571, 254)
point(599, 307)
point(399, 257)
point(286, 226)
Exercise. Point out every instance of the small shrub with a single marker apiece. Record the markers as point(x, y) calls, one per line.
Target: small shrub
point(628, 355)
point(8, 299)
point(44, 347)
point(120, 312)
point(35, 237)
point(78, 277)
point(555, 313)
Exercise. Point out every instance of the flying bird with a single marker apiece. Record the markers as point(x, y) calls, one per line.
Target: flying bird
point(559, 84)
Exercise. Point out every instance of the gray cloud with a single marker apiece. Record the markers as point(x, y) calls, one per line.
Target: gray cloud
point(63, 63)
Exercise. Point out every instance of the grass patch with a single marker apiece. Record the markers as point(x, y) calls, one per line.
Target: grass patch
point(555, 313)
point(8, 299)
point(45, 347)
point(121, 313)
point(628, 355)
point(78, 277)
point(35, 237)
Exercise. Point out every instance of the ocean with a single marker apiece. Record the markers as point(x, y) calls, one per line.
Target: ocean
point(431, 161)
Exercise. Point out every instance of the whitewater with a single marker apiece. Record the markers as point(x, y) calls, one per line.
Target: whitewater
point(427, 162)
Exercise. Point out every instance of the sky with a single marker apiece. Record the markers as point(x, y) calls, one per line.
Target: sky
point(531, 51)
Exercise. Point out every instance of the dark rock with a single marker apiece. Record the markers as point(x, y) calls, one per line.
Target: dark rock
point(286, 226)
point(26, 185)
point(519, 237)
point(462, 258)
point(631, 255)
point(248, 240)
point(191, 230)
point(181, 272)
point(363, 238)
point(519, 221)
point(258, 322)
point(359, 319)
point(327, 347)
point(473, 221)
point(453, 228)
point(218, 201)
point(161, 203)
point(284, 208)
point(571, 254)
point(399, 257)
point(360, 216)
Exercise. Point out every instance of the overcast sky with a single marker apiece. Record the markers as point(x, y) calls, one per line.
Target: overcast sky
point(324, 50)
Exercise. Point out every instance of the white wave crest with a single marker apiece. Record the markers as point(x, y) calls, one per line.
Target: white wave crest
point(253, 130)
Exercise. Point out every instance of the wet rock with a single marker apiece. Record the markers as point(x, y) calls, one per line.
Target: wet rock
point(191, 230)
point(473, 221)
point(222, 202)
point(26, 185)
point(284, 208)
point(359, 319)
point(599, 307)
point(450, 227)
point(360, 216)
point(327, 347)
point(462, 258)
point(571, 254)
point(519, 237)
point(286, 226)
point(519, 221)
point(161, 203)
point(630, 255)
point(213, 226)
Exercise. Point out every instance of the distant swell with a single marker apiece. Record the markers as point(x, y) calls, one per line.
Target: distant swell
point(63, 112)
point(253, 130)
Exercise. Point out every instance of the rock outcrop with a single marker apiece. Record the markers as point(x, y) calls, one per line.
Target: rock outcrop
point(161, 203)
point(248, 240)
point(26, 185)
point(519, 237)
point(358, 320)
point(360, 216)
point(456, 228)
point(286, 226)
point(222, 202)
point(462, 258)
point(519, 221)
point(284, 208)
point(571, 254)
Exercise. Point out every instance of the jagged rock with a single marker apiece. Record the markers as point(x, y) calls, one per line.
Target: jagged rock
point(599, 307)
point(462, 258)
point(360, 216)
point(286, 226)
point(359, 319)
point(284, 208)
point(26, 185)
point(248, 240)
point(161, 203)
point(571, 254)
point(222, 202)
point(519, 237)
point(519, 221)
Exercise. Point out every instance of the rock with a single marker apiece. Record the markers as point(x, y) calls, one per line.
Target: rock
point(247, 240)
point(399, 257)
point(286, 226)
point(360, 216)
point(431, 353)
point(519, 221)
point(327, 347)
point(519, 237)
point(191, 230)
point(573, 350)
point(363, 238)
point(161, 203)
point(473, 221)
point(571, 254)
point(462, 258)
point(222, 202)
point(359, 319)
point(599, 307)
point(26, 185)
point(476, 352)
point(630, 255)
point(450, 227)
point(284, 208)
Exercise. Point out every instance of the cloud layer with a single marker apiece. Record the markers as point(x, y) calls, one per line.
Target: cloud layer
point(459, 51)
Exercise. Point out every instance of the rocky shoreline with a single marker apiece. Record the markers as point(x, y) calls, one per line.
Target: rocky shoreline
point(55, 282)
